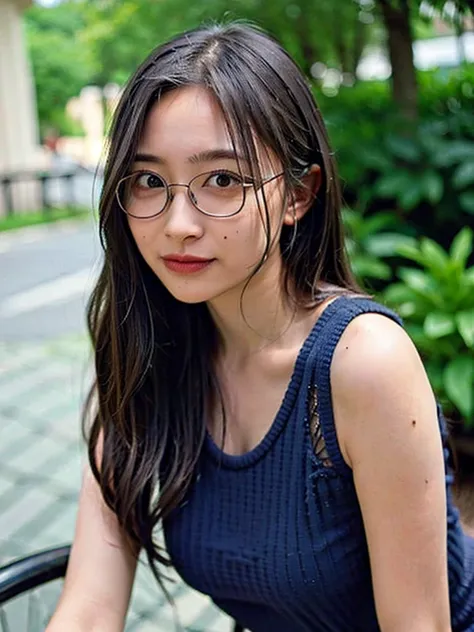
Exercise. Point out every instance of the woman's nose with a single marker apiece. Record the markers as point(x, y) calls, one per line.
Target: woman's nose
point(183, 220)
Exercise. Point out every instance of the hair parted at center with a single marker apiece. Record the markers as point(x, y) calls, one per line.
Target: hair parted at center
point(155, 356)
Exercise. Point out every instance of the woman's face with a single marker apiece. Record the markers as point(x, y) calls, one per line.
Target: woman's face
point(185, 135)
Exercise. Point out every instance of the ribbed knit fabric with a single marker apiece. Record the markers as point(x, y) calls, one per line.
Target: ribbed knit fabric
point(276, 537)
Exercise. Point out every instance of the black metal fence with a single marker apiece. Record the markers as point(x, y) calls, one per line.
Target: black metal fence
point(40, 190)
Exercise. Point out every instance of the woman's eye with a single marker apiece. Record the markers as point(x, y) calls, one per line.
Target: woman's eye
point(223, 180)
point(149, 181)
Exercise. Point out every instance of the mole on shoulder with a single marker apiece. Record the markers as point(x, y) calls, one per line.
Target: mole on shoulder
point(413, 423)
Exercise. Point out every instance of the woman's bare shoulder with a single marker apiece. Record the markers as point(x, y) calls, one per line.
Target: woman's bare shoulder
point(377, 374)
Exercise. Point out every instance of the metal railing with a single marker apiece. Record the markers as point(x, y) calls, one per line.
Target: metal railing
point(24, 576)
point(32, 190)
point(32, 571)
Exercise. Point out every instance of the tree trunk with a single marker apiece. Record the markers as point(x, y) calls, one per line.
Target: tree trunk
point(396, 18)
point(309, 51)
point(360, 39)
point(342, 51)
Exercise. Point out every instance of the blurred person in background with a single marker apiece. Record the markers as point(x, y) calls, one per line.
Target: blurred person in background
point(250, 398)
point(51, 140)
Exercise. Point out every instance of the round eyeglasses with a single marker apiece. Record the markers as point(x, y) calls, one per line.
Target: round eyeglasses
point(221, 193)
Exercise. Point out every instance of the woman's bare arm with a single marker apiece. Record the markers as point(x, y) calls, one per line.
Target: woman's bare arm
point(387, 424)
point(100, 572)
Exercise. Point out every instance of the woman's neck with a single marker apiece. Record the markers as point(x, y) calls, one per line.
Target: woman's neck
point(263, 318)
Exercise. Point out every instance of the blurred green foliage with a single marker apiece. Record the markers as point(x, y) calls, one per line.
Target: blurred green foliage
point(437, 300)
point(121, 33)
point(368, 107)
point(61, 66)
point(372, 241)
point(424, 173)
point(108, 39)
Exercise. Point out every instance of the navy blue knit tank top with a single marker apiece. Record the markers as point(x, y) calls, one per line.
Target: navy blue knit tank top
point(275, 536)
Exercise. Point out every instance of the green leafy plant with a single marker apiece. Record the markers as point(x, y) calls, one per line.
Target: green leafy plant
point(427, 168)
point(423, 172)
point(437, 301)
point(371, 240)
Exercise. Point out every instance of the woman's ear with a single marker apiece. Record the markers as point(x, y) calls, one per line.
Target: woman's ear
point(302, 196)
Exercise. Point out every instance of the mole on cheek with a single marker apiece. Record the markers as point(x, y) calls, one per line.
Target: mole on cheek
point(413, 423)
point(225, 236)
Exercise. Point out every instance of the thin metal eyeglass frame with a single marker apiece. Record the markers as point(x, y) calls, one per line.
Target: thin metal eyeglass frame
point(169, 197)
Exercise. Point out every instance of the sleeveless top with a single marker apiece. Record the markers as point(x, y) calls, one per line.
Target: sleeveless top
point(275, 536)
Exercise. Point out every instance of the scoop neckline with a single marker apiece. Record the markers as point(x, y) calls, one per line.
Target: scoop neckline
point(239, 461)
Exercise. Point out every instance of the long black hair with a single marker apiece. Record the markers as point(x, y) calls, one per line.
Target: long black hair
point(155, 356)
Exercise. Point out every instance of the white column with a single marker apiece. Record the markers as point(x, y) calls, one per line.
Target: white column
point(18, 116)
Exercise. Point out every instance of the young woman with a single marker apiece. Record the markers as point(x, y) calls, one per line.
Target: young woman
point(249, 397)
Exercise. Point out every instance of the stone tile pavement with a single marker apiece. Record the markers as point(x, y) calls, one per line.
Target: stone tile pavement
point(42, 386)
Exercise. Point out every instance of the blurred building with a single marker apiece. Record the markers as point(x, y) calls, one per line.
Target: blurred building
point(18, 118)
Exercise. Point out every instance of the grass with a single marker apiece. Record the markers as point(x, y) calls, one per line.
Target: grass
point(46, 216)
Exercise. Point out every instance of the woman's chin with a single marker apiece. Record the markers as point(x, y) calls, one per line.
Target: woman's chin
point(191, 295)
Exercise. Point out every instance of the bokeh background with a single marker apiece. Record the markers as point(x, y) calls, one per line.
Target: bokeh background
point(394, 80)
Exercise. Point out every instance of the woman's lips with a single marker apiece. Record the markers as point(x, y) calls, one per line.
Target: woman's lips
point(186, 265)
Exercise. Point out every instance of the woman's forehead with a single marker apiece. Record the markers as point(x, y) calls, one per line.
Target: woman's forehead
point(185, 120)
point(188, 124)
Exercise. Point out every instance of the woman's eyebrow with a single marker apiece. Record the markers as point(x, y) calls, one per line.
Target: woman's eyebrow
point(209, 155)
point(148, 158)
point(216, 154)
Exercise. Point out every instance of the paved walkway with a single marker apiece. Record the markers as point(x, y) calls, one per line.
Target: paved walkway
point(41, 393)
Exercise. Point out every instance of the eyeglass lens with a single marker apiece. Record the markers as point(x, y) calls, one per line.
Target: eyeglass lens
point(145, 193)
